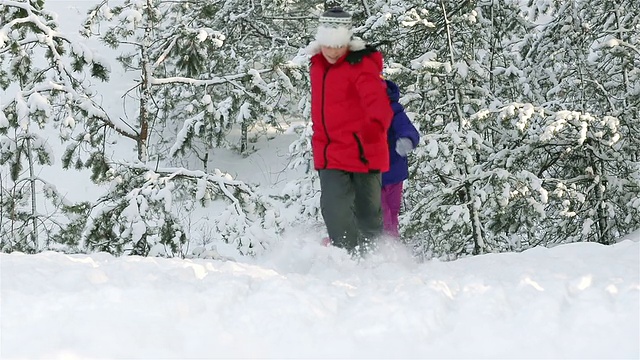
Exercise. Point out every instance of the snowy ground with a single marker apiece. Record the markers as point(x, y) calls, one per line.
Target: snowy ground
point(305, 301)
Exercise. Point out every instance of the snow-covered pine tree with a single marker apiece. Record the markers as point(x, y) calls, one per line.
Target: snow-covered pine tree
point(303, 193)
point(42, 73)
point(205, 69)
point(502, 134)
point(582, 67)
point(138, 215)
point(528, 169)
point(454, 49)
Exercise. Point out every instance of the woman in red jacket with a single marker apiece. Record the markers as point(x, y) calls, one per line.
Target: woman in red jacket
point(351, 114)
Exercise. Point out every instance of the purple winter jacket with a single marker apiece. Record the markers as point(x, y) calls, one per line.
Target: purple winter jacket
point(400, 127)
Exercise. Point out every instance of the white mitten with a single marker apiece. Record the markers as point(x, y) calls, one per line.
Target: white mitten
point(404, 146)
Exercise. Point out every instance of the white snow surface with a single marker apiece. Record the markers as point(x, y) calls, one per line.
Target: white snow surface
point(302, 300)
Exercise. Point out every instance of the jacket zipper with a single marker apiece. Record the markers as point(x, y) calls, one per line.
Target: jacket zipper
point(324, 123)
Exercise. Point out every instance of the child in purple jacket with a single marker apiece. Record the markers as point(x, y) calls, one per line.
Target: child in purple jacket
point(402, 138)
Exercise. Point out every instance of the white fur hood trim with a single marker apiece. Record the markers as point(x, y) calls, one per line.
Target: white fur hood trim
point(314, 47)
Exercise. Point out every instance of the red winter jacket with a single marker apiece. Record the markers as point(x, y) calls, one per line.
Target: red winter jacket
point(350, 111)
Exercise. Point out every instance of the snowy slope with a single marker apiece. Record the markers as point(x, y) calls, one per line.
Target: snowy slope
point(306, 301)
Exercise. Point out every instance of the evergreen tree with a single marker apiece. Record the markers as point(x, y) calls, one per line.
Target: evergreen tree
point(46, 71)
point(521, 174)
point(586, 60)
point(444, 55)
point(206, 68)
point(530, 129)
point(529, 114)
point(143, 212)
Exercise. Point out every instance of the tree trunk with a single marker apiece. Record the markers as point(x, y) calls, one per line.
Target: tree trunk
point(476, 225)
point(367, 9)
point(603, 234)
point(32, 183)
point(244, 140)
point(145, 87)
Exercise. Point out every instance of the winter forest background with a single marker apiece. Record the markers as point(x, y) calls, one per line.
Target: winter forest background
point(529, 111)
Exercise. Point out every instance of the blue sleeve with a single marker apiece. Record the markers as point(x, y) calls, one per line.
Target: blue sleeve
point(402, 125)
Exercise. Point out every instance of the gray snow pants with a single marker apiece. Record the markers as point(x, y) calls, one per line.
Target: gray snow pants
point(351, 208)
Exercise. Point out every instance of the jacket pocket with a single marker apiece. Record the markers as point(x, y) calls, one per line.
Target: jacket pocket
point(363, 157)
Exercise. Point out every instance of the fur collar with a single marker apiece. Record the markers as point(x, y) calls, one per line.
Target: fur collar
point(355, 44)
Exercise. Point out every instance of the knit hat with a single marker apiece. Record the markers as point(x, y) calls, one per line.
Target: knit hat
point(335, 28)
